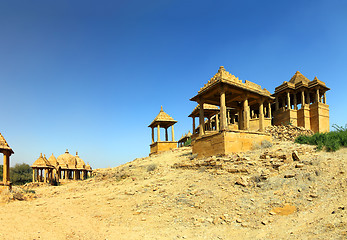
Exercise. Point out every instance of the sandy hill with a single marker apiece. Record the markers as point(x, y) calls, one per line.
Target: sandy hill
point(287, 191)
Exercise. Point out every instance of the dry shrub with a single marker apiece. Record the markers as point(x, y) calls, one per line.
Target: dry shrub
point(16, 194)
point(119, 175)
point(151, 167)
point(266, 144)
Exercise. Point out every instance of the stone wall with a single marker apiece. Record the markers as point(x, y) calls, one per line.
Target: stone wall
point(289, 116)
point(304, 117)
point(228, 142)
point(314, 117)
point(162, 146)
point(319, 117)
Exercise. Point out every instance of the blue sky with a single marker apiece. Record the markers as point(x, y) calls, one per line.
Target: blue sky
point(90, 76)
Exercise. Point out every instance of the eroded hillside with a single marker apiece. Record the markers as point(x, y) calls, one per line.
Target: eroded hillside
point(287, 191)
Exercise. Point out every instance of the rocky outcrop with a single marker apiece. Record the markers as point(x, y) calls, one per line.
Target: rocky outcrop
point(288, 132)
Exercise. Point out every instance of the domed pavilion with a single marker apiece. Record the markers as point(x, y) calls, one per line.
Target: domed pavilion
point(162, 120)
point(65, 167)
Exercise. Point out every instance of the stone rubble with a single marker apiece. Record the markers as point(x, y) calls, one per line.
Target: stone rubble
point(287, 132)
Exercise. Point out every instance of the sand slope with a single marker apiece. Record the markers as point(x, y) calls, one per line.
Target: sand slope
point(261, 194)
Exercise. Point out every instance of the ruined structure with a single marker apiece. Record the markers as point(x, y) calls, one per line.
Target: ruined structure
point(313, 113)
point(65, 167)
point(7, 152)
point(184, 139)
point(249, 108)
point(162, 120)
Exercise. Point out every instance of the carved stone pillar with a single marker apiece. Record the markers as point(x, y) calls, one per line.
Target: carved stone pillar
point(6, 168)
point(295, 102)
point(45, 175)
point(193, 125)
point(246, 114)
point(201, 118)
point(302, 98)
point(33, 174)
point(158, 133)
point(223, 111)
point(288, 101)
point(172, 133)
point(261, 115)
point(166, 135)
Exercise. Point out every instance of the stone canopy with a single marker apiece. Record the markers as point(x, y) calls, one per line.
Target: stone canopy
point(42, 162)
point(239, 122)
point(234, 90)
point(227, 91)
point(209, 110)
point(4, 145)
point(299, 81)
point(302, 103)
point(163, 119)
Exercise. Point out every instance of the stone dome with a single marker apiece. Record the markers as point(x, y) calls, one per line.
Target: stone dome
point(80, 162)
point(53, 161)
point(41, 162)
point(88, 167)
point(67, 159)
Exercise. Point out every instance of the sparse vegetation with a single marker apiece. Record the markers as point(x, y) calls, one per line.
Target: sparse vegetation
point(287, 123)
point(332, 141)
point(151, 167)
point(20, 174)
point(256, 146)
point(266, 144)
point(29, 191)
point(188, 142)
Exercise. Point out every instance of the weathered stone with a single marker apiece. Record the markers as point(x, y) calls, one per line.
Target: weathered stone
point(216, 220)
point(286, 133)
point(295, 156)
point(299, 165)
point(312, 195)
point(285, 210)
point(241, 181)
point(289, 175)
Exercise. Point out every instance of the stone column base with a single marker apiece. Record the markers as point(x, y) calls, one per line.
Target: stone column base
point(5, 186)
point(228, 142)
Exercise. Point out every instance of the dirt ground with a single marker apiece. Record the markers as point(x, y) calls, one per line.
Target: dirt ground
point(261, 194)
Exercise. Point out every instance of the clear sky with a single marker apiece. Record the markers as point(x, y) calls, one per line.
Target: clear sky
point(90, 76)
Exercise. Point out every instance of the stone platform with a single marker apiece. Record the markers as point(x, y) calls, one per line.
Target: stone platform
point(157, 147)
point(227, 142)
